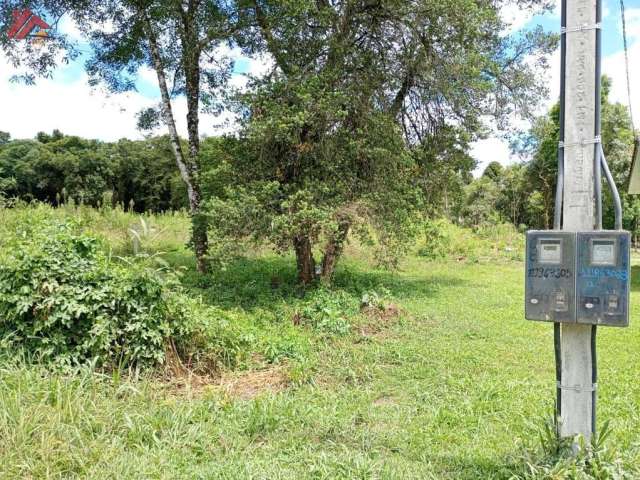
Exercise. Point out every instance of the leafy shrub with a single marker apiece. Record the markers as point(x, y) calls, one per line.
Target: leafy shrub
point(328, 311)
point(373, 299)
point(436, 240)
point(63, 300)
point(279, 346)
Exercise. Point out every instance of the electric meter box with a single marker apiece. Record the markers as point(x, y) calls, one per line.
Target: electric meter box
point(603, 276)
point(550, 276)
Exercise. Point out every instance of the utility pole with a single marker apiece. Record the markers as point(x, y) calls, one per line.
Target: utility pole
point(581, 137)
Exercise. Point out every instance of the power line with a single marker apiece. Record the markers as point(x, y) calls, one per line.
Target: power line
point(626, 61)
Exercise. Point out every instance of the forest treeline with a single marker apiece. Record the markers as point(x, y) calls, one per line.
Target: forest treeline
point(141, 175)
point(54, 168)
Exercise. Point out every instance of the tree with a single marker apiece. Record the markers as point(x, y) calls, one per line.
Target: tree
point(494, 172)
point(511, 202)
point(481, 198)
point(146, 176)
point(541, 146)
point(444, 169)
point(174, 38)
point(357, 86)
point(617, 143)
point(43, 137)
point(543, 167)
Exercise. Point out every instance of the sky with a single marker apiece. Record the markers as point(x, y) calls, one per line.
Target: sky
point(67, 103)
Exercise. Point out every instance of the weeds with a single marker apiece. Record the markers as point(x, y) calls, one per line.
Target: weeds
point(575, 459)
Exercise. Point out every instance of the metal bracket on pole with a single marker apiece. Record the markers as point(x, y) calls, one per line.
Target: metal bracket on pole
point(581, 143)
point(578, 388)
point(581, 28)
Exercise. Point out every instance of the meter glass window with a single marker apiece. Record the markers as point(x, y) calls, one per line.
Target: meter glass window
point(603, 251)
point(550, 251)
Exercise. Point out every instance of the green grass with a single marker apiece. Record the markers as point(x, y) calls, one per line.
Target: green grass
point(457, 388)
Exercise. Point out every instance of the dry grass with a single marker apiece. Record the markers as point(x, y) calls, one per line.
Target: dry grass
point(249, 385)
point(378, 319)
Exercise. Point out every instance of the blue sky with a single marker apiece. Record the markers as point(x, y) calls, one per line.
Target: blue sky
point(74, 108)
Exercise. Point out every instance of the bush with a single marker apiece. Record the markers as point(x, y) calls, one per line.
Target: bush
point(436, 240)
point(208, 337)
point(63, 300)
point(328, 311)
point(489, 242)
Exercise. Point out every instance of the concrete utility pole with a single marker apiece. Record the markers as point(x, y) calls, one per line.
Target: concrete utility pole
point(577, 405)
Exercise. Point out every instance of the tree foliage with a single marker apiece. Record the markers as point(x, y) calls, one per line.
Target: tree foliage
point(57, 168)
point(364, 102)
point(526, 191)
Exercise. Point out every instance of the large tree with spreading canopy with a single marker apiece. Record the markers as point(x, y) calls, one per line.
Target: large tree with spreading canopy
point(339, 135)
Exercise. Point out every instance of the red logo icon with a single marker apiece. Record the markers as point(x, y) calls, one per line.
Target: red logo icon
point(24, 23)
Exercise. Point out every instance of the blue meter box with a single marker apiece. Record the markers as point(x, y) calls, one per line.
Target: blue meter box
point(603, 278)
point(550, 276)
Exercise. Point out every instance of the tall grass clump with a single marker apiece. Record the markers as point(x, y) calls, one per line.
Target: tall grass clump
point(574, 458)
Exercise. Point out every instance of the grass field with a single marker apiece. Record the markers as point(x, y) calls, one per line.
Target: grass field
point(458, 386)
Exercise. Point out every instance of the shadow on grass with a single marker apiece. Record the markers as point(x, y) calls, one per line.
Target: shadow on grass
point(269, 282)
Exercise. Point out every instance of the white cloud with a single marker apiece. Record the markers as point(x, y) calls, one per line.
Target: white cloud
point(72, 108)
point(77, 109)
point(614, 67)
point(515, 16)
point(260, 65)
point(148, 75)
point(490, 150)
point(68, 27)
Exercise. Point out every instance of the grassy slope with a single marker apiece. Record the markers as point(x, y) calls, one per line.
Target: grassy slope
point(453, 390)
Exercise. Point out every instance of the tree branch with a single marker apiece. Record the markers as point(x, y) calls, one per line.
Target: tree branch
point(265, 28)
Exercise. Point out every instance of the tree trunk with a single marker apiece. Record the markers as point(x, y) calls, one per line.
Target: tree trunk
point(304, 258)
point(188, 172)
point(191, 65)
point(333, 250)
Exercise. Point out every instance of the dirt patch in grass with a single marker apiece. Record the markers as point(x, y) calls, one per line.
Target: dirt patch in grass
point(182, 380)
point(234, 385)
point(378, 318)
point(384, 400)
point(248, 385)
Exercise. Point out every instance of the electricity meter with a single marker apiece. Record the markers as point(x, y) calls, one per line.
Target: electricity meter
point(550, 276)
point(603, 275)
point(578, 277)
